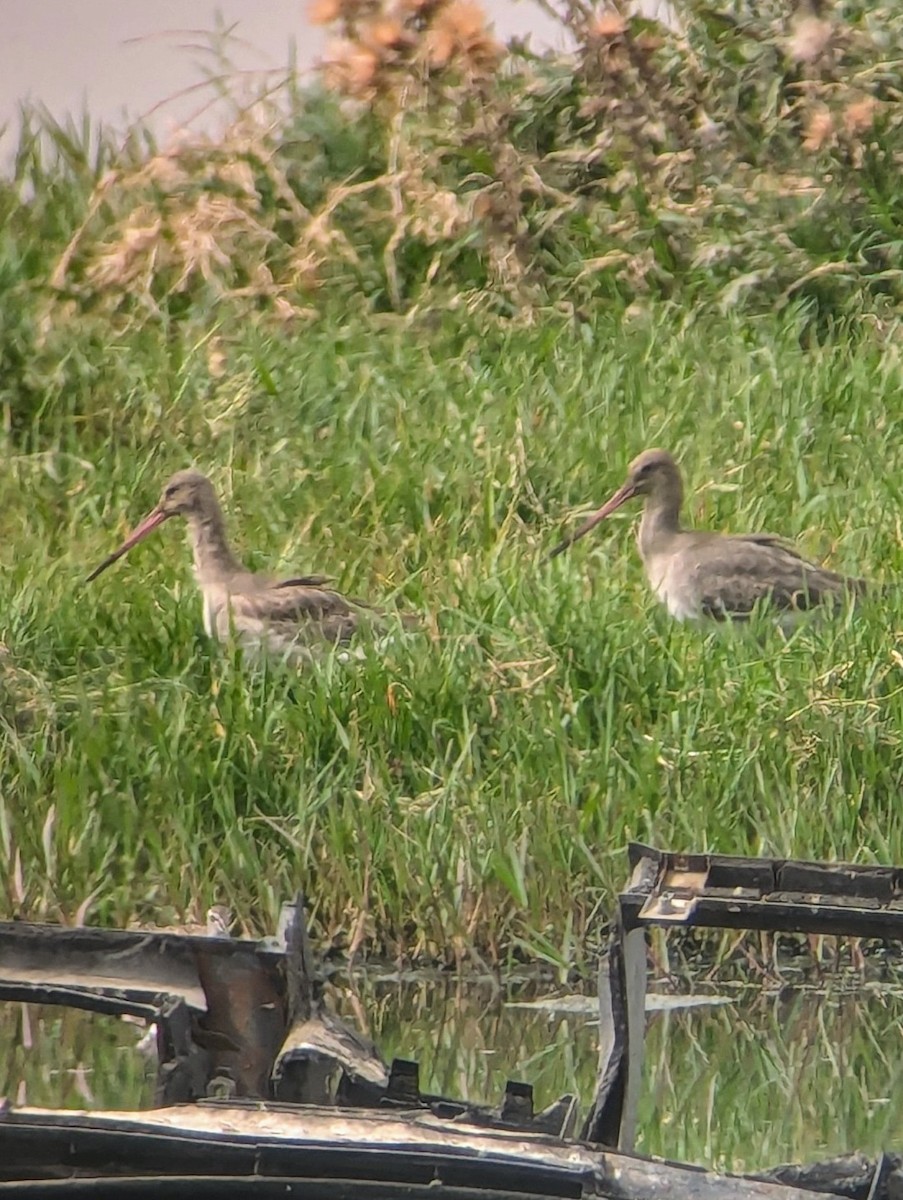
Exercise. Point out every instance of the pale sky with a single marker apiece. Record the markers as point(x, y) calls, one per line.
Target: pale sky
point(126, 56)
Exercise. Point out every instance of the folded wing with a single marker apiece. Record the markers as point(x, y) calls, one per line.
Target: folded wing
point(292, 613)
point(763, 570)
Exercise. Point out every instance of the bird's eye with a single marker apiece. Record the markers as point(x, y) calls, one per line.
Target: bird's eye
point(170, 491)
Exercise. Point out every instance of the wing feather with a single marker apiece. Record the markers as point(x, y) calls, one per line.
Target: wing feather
point(763, 569)
point(300, 612)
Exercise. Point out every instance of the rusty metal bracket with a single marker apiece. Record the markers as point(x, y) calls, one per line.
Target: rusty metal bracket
point(218, 1004)
point(782, 895)
point(716, 891)
point(238, 1020)
point(321, 1060)
point(244, 1040)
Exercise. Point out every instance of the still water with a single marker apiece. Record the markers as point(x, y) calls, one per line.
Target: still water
point(772, 1075)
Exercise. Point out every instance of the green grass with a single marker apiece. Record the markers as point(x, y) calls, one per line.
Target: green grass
point(474, 787)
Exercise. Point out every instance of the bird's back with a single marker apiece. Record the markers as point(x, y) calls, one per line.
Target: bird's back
point(289, 618)
point(728, 575)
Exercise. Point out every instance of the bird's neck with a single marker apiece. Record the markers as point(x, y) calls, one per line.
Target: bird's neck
point(661, 521)
point(213, 557)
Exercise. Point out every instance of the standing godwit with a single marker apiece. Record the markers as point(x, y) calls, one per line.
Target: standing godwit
point(699, 574)
point(286, 617)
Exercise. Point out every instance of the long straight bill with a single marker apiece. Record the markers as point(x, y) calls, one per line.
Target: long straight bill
point(621, 496)
point(148, 525)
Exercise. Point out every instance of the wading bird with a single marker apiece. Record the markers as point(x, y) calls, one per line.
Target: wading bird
point(287, 617)
point(697, 574)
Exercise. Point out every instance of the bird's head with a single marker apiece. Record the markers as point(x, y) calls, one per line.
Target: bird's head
point(187, 493)
point(652, 473)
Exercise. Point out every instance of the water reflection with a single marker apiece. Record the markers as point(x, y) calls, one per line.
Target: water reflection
point(791, 1075)
point(62, 1058)
point(470, 1038)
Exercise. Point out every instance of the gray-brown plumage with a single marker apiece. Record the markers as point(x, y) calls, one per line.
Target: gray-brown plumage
point(698, 574)
point(284, 617)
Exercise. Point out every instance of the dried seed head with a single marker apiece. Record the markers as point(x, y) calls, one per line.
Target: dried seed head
point(324, 12)
point(459, 31)
point(440, 48)
point(808, 40)
point(608, 25)
point(386, 34)
point(819, 130)
point(352, 68)
point(859, 116)
point(216, 358)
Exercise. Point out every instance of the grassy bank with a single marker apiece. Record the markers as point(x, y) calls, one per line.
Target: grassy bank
point(410, 321)
point(473, 786)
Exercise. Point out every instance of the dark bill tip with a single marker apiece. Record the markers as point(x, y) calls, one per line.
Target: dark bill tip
point(621, 496)
point(150, 523)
